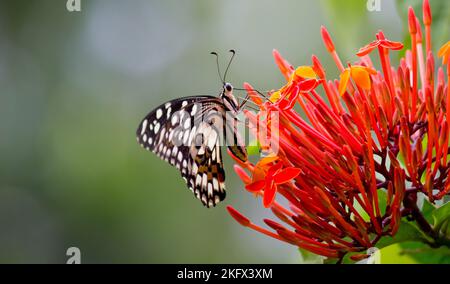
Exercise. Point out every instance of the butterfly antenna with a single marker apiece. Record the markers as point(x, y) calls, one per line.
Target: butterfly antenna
point(218, 68)
point(229, 63)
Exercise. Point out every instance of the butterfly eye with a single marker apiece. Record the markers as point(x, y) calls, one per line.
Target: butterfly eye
point(228, 87)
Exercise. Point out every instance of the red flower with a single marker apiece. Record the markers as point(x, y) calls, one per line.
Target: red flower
point(377, 137)
point(276, 175)
point(384, 43)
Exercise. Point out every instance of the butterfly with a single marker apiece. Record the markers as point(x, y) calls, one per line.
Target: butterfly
point(187, 133)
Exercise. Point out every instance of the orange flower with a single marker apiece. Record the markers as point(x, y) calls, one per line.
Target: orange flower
point(444, 52)
point(270, 179)
point(301, 80)
point(359, 74)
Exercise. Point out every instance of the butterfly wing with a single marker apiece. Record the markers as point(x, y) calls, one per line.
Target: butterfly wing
point(161, 131)
point(234, 141)
point(207, 176)
point(169, 132)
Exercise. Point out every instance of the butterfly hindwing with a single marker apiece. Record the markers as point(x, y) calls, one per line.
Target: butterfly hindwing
point(207, 173)
point(234, 141)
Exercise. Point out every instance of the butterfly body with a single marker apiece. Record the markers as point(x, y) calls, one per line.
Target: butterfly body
point(188, 132)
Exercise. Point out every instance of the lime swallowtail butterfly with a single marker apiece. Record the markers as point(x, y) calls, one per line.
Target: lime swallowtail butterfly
point(188, 132)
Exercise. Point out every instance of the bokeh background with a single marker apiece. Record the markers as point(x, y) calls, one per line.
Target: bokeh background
point(74, 86)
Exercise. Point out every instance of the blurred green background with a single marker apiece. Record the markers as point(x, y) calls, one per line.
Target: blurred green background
point(74, 86)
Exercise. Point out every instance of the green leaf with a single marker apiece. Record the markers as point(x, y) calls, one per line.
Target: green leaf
point(382, 200)
point(254, 148)
point(427, 210)
point(393, 254)
point(401, 160)
point(407, 231)
point(308, 257)
point(422, 253)
point(441, 216)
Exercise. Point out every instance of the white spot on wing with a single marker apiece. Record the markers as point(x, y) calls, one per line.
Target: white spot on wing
point(185, 137)
point(210, 190)
point(212, 139)
point(204, 180)
point(144, 125)
point(159, 113)
point(157, 126)
point(174, 119)
point(191, 135)
point(201, 151)
point(187, 123)
point(215, 184)
point(194, 109)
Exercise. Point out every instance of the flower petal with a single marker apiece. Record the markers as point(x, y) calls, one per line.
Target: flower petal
point(306, 72)
point(286, 175)
point(361, 77)
point(394, 45)
point(368, 48)
point(275, 96)
point(268, 159)
point(345, 76)
point(269, 193)
point(275, 168)
point(259, 172)
point(307, 85)
point(255, 186)
point(444, 52)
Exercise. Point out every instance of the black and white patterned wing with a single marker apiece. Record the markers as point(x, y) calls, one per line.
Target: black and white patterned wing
point(235, 142)
point(160, 131)
point(169, 132)
point(206, 173)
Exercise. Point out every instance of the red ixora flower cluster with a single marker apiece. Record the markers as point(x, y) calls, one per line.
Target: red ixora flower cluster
point(353, 167)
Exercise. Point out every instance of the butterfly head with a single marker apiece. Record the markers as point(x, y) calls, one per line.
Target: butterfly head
point(228, 99)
